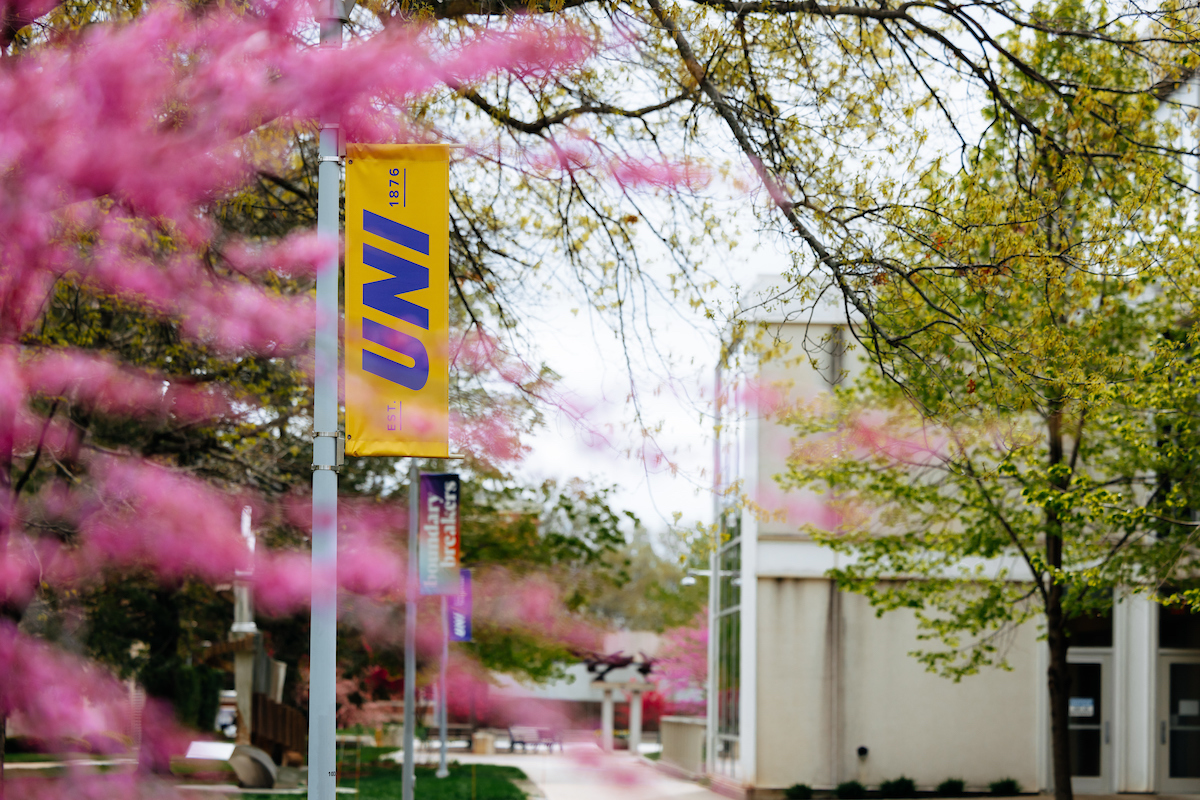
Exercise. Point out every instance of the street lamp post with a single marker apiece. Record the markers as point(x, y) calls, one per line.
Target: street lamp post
point(322, 705)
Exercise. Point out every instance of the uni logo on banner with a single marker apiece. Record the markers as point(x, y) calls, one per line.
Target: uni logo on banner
point(397, 378)
point(384, 297)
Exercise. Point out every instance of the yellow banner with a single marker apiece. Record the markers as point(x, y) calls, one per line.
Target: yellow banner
point(397, 299)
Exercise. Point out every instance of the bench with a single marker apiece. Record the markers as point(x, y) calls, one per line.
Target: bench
point(457, 730)
point(550, 737)
point(524, 736)
point(528, 736)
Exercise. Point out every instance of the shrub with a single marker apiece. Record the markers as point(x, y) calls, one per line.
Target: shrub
point(798, 791)
point(24, 744)
point(951, 787)
point(900, 787)
point(851, 790)
point(211, 683)
point(194, 692)
point(1005, 787)
point(186, 698)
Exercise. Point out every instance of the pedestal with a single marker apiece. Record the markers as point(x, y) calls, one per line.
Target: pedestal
point(635, 719)
point(243, 681)
point(606, 722)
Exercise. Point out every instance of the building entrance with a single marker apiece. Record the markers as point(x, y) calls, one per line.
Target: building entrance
point(1090, 723)
point(1179, 724)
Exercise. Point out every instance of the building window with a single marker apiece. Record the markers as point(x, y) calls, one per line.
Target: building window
point(1092, 630)
point(728, 633)
point(1178, 628)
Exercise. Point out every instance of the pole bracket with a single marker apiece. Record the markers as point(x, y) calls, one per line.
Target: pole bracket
point(339, 447)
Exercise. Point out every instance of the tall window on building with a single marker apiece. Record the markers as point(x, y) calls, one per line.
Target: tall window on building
point(729, 645)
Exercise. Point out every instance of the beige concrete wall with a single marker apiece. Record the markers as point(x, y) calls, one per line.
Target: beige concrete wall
point(795, 682)
point(818, 662)
point(793, 376)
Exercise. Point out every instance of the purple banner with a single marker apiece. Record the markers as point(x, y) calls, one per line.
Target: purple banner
point(438, 532)
point(458, 608)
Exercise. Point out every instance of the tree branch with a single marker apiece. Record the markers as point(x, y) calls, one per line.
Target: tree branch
point(37, 453)
point(542, 123)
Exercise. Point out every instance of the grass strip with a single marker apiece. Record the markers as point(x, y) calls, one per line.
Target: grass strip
point(465, 782)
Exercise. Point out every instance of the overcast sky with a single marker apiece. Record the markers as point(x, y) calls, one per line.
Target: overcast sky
point(590, 359)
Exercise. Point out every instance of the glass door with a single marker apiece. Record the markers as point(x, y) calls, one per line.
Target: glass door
point(1089, 726)
point(1179, 724)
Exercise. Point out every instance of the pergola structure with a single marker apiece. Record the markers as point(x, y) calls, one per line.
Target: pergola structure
point(601, 665)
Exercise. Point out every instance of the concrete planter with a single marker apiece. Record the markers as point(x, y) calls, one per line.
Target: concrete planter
point(683, 744)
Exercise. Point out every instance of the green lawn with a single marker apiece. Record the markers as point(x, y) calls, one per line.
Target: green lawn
point(30, 757)
point(465, 782)
point(369, 755)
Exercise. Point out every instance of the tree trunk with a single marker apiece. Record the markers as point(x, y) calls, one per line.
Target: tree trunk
point(1058, 682)
point(1057, 678)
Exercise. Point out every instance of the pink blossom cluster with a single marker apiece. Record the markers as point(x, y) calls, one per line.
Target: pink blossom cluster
point(874, 434)
point(98, 383)
point(576, 151)
point(115, 144)
point(682, 661)
point(55, 694)
point(138, 515)
point(79, 785)
point(132, 128)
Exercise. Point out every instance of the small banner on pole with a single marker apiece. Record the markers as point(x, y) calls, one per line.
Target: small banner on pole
point(460, 609)
point(438, 532)
point(397, 300)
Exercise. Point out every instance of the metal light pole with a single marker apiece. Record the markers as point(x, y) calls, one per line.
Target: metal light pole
point(443, 771)
point(410, 631)
point(322, 707)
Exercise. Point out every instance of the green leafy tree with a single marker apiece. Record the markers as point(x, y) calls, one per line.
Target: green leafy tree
point(1023, 448)
point(655, 597)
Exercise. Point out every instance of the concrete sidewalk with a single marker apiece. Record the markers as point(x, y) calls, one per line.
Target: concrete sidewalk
point(584, 772)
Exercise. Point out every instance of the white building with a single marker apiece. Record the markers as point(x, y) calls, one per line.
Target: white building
point(811, 687)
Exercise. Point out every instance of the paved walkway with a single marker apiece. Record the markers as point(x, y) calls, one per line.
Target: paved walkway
point(584, 772)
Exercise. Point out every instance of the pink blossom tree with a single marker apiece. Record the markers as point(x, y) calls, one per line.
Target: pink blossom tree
point(682, 668)
point(117, 145)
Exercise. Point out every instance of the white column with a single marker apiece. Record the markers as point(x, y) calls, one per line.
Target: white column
point(244, 627)
point(243, 682)
point(635, 719)
point(1135, 657)
point(606, 721)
